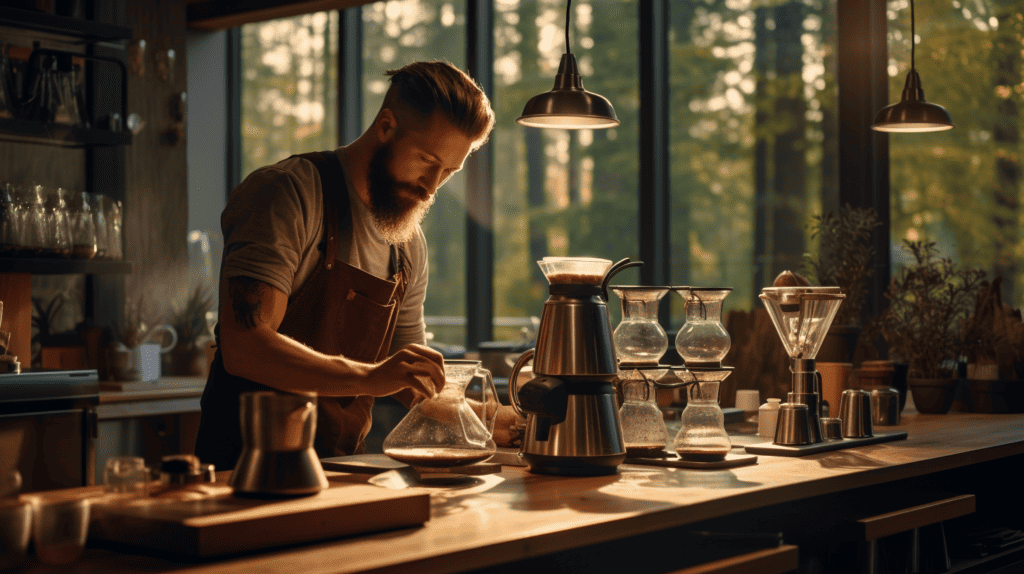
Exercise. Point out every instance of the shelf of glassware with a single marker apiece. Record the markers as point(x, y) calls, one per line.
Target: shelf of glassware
point(62, 25)
point(43, 266)
point(62, 135)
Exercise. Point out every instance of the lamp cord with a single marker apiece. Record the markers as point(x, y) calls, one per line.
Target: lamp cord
point(568, 4)
point(912, 36)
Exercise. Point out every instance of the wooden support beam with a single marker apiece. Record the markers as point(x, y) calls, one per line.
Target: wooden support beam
point(224, 14)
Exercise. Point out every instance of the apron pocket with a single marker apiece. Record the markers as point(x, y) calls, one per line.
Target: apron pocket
point(363, 325)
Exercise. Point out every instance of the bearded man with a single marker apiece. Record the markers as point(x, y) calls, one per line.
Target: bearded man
point(324, 272)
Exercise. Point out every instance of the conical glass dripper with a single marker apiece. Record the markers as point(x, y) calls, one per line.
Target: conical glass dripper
point(574, 270)
point(802, 316)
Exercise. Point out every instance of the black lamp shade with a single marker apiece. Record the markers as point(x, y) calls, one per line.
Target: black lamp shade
point(568, 105)
point(912, 113)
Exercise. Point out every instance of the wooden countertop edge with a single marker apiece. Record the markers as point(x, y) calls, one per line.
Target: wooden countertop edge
point(155, 394)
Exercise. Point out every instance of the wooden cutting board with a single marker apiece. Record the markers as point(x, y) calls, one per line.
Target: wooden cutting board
point(226, 524)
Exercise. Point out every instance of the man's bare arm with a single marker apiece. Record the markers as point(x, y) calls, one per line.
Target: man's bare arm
point(251, 311)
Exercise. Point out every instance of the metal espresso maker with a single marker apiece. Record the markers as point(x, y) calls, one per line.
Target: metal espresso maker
point(572, 419)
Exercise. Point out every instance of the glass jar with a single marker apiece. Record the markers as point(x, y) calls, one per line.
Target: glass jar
point(703, 341)
point(83, 227)
point(10, 221)
point(639, 338)
point(114, 231)
point(97, 203)
point(702, 436)
point(34, 228)
point(58, 223)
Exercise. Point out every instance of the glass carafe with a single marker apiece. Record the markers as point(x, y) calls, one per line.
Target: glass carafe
point(639, 338)
point(452, 429)
point(703, 341)
point(702, 436)
point(643, 426)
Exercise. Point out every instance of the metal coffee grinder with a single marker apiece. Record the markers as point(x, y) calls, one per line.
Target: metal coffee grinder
point(572, 419)
point(802, 317)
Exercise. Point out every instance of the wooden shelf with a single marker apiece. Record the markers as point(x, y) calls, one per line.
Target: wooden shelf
point(64, 26)
point(62, 135)
point(63, 266)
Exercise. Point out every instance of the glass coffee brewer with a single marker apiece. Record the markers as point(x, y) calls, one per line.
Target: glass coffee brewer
point(572, 420)
point(802, 316)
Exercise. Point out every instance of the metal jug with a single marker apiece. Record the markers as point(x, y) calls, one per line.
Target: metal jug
point(277, 446)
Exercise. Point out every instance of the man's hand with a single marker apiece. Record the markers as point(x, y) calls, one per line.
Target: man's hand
point(417, 368)
point(507, 418)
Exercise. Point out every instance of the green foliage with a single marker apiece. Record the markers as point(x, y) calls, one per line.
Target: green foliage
point(929, 303)
point(844, 257)
point(189, 321)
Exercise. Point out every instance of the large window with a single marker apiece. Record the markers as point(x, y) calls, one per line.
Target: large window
point(753, 136)
point(962, 188)
point(752, 131)
point(289, 88)
point(561, 192)
point(396, 33)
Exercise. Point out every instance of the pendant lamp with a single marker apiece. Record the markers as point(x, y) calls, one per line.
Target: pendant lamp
point(912, 113)
point(568, 105)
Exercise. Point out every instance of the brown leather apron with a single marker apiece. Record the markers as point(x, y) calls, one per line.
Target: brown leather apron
point(339, 310)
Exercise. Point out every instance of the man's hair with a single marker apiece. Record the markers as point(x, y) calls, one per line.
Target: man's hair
point(428, 87)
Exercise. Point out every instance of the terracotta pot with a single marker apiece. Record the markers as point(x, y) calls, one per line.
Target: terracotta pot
point(933, 396)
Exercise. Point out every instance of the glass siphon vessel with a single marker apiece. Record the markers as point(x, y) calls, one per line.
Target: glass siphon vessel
point(639, 338)
point(703, 341)
point(643, 426)
point(452, 429)
point(702, 436)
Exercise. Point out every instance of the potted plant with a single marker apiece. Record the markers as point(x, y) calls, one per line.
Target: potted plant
point(995, 364)
point(189, 358)
point(843, 260)
point(929, 303)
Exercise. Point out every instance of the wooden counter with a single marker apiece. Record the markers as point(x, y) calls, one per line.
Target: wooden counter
point(516, 515)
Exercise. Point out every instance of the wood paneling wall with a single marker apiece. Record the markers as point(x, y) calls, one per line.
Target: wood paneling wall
point(156, 192)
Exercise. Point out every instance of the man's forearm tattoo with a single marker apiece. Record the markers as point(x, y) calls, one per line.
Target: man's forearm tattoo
point(245, 300)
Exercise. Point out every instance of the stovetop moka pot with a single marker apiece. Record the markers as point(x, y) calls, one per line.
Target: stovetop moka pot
point(572, 419)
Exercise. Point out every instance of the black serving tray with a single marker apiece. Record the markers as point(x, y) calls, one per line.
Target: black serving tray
point(773, 449)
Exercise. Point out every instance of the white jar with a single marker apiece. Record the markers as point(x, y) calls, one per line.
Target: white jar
point(767, 417)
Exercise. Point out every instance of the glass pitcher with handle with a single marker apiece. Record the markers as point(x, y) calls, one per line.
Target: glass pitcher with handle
point(452, 429)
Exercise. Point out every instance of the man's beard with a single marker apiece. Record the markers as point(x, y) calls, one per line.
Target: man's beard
point(397, 209)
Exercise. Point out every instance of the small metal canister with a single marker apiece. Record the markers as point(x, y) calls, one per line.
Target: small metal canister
point(885, 406)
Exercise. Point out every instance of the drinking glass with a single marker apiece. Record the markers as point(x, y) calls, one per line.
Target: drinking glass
point(59, 529)
point(126, 475)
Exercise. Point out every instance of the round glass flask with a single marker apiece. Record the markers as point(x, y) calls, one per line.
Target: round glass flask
point(643, 426)
point(702, 436)
point(639, 338)
point(703, 341)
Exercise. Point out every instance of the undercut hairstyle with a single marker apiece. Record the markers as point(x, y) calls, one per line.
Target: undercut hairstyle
point(428, 87)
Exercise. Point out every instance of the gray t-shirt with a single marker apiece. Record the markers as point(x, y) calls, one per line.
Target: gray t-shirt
point(273, 223)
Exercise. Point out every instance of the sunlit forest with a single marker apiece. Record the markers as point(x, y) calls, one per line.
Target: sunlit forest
point(753, 135)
